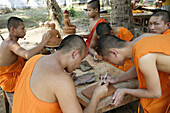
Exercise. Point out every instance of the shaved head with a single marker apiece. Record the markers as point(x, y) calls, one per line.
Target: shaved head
point(108, 41)
point(72, 42)
point(13, 22)
point(94, 4)
point(164, 14)
point(103, 28)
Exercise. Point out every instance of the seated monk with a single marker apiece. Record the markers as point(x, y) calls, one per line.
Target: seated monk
point(12, 54)
point(121, 32)
point(55, 38)
point(68, 27)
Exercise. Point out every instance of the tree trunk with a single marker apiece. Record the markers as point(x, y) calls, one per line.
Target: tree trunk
point(55, 13)
point(121, 14)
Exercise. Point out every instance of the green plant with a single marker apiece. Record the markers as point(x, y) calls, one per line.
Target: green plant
point(72, 11)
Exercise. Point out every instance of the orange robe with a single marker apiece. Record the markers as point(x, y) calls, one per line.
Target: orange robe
point(89, 39)
point(126, 35)
point(155, 44)
point(24, 100)
point(9, 75)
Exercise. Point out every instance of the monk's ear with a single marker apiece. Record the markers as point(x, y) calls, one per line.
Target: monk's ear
point(168, 24)
point(111, 32)
point(12, 29)
point(96, 10)
point(113, 51)
point(75, 53)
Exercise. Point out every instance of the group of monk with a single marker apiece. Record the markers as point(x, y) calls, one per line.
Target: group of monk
point(43, 84)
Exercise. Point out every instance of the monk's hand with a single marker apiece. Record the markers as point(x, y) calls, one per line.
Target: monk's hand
point(110, 79)
point(118, 97)
point(97, 57)
point(46, 37)
point(101, 90)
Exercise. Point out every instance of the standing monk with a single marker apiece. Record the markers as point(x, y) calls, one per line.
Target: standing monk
point(93, 11)
point(46, 87)
point(121, 32)
point(152, 66)
point(12, 54)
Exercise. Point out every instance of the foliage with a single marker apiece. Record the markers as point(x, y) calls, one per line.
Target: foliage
point(72, 11)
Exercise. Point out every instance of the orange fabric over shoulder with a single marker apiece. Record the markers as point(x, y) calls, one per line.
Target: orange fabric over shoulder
point(126, 35)
point(89, 39)
point(9, 75)
point(24, 100)
point(160, 43)
point(167, 32)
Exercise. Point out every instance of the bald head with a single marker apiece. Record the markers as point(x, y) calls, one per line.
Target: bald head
point(94, 4)
point(164, 14)
point(13, 22)
point(108, 41)
point(103, 28)
point(72, 42)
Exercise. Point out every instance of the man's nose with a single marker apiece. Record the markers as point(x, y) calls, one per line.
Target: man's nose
point(152, 26)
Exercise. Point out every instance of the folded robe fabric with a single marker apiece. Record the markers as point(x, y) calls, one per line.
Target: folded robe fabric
point(155, 44)
point(9, 75)
point(89, 39)
point(24, 100)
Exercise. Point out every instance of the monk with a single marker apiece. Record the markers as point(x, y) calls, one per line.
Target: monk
point(93, 11)
point(159, 22)
point(45, 85)
point(12, 54)
point(68, 27)
point(121, 32)
point(151, 56)
point(134, 6)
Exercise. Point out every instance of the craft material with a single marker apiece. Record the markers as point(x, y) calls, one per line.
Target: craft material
point(85, 66)
point(88, 92)
point(86, 78)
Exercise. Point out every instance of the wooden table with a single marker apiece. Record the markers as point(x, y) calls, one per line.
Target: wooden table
point(101, 68)
point(143, 20)
point(98, 68)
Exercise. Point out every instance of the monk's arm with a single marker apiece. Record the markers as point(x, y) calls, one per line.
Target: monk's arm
point(147, 65)
point(93, 45)
point(26, 54)
point(130, 74)
point(65, 92)
point(66, 95)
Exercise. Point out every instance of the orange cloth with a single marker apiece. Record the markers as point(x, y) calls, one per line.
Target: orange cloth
point(126, 35)
point(155, 44)
point(24, 100)
point(9, 75)
point(89, 39)
point(167, 32)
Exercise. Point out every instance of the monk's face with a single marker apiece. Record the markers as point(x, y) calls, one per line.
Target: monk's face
point(20, 31)
point(90, 11)
point(157, 25)
point(116, 60)
point(75, 62)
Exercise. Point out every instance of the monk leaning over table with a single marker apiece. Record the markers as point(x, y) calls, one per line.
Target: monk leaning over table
point(93, 11)
point(12, 54)
point(45, 85)
point(120, 32)
point(152, 58)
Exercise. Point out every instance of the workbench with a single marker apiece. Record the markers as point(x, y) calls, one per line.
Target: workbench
point(98, 68)
point(101, 68)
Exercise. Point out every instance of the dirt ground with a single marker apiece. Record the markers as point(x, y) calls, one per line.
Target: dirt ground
point(33, 37)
